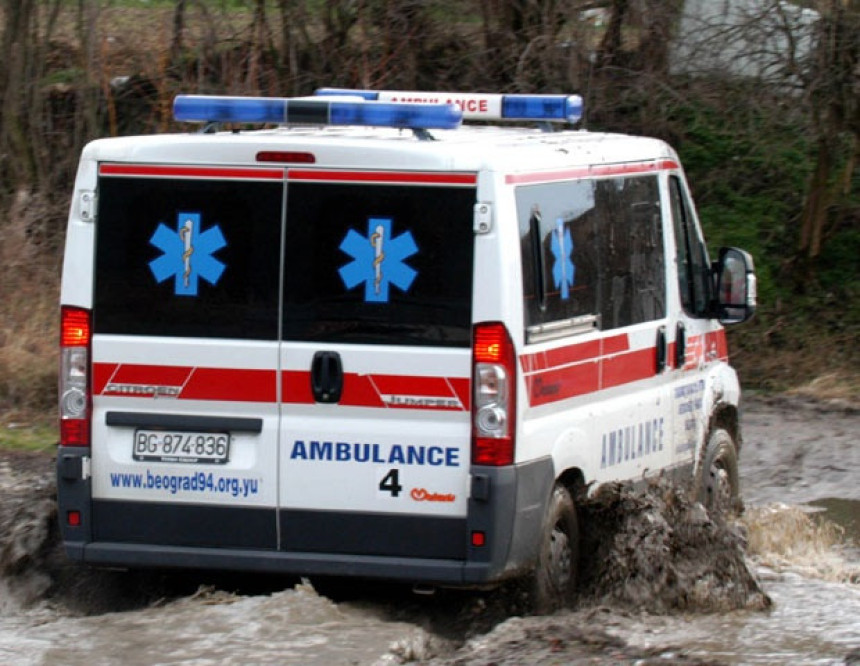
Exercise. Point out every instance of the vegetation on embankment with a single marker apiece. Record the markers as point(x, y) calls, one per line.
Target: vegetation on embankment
point(772, 164)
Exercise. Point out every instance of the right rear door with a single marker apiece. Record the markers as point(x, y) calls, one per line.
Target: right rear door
point(376, 363)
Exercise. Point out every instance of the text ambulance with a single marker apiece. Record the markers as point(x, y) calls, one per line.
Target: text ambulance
point(366, 341)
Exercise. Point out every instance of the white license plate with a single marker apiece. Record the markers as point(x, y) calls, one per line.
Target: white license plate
point(181, 446)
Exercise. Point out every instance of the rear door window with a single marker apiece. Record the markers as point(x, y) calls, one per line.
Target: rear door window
point(378, 264)
point(188, 257)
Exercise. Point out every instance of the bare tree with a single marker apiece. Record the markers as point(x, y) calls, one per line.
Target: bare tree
point(834, 93)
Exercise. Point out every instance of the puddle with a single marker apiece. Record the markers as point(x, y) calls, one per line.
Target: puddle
point(843, 512)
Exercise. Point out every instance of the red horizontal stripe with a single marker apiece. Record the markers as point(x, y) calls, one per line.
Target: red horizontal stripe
point(173, 171)
point(630, 367)
point(718, 339)
point(616, 344)
point(586, 351)
point(102, 372)
point(631, 168)
point(404, 385)
point(357, 390)
point(621, 169)
point(575, 353)
point(245, 385)
point(393, 177)
point(227, 384)
point(362, 390)
point(563, 383)
point(578, 369)
point(706, 348)
point(160, 375)
point(231, 385)
point(559, 382)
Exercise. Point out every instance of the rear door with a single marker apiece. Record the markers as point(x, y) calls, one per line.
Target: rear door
point(376, 358)
point(185, 354)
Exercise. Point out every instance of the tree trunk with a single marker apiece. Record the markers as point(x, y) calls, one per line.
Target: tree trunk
point(818, 201)
point(177, 42)
point(610, 45)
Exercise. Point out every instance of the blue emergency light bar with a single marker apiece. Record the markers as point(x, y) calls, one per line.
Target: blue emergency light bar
point(309, 111)
point(480, 106)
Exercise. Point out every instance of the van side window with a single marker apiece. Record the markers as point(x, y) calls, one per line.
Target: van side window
point(694, 282)
point(630, 238)
point(557, 232)
point(592, 248)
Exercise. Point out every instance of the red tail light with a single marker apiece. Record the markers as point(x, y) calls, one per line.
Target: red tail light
point(75, 399)
point(494, 405)
point(75, 328)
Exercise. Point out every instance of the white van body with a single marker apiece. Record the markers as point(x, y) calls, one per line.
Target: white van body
point(273, 349)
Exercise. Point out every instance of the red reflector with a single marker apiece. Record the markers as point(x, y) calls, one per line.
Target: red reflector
point(479, 539)
point(493, 451)
point(73, 518)
point(491, 343)
point(74, 432)
point(74, 327)
point(286, 156)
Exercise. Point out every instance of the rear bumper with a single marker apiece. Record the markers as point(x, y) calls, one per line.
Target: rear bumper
point(442, 572)
point(506, 505)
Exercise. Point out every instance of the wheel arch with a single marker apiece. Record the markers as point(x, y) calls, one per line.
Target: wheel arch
point(726, 416)
point(573, 480)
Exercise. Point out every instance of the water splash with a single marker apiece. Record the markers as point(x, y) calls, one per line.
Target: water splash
point(658, 550)
point(789, 538)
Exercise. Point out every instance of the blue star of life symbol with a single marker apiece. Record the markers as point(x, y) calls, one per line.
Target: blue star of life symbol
point(187, 254)
point(563, 270)
point(378, 260)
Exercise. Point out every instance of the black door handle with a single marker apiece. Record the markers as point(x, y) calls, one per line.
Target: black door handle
point(326, 376)
point(680, 345)
point(661, 349)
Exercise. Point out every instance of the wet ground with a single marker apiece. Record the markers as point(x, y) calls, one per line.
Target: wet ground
point(670, 584)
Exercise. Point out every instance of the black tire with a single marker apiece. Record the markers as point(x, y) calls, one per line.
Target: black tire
point(555, 576)
point(720, 486)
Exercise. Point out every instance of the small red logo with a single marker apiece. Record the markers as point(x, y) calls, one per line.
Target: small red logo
point(422, 495)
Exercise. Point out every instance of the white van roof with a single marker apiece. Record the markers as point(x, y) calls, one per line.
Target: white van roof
point(506, 149)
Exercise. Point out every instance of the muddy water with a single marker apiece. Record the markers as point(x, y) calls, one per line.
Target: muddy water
point(799, 463)
point(294, 626)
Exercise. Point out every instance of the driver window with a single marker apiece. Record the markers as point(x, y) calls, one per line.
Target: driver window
point(694, 271)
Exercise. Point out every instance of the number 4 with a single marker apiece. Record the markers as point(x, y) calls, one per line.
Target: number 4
point(391, 483)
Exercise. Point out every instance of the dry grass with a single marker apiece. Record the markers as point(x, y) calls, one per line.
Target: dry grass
point(839, 386)
point(29, 296)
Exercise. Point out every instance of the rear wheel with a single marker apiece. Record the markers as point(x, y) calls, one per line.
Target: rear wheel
point(555, 575)
point(720, 485)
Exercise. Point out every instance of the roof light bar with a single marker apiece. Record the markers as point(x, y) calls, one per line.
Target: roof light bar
point(480, 106)
point(305, 111)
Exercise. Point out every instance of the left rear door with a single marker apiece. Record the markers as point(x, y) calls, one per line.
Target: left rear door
point(185, 354)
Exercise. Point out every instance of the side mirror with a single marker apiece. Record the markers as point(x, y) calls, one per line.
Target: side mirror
point(736, 286)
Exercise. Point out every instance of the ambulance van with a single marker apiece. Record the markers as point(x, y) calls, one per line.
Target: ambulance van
point(346, 336)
